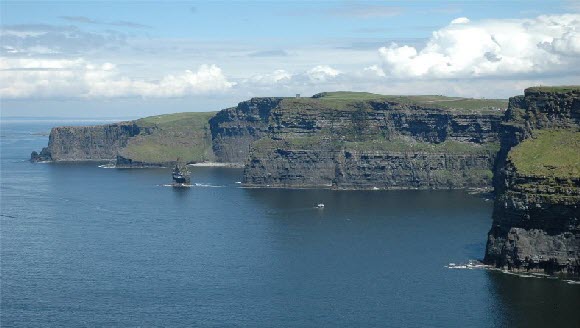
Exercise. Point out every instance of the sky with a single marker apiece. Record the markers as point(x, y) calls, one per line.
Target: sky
point(139, 58)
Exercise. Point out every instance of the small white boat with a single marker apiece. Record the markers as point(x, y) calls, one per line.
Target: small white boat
point(320, 205)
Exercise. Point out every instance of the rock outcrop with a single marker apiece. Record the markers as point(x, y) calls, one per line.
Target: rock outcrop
point(536, 217)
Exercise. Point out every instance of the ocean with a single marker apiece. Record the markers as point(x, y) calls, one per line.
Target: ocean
point(86, 246)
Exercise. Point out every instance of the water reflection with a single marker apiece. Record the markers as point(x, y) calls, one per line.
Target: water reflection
point(535, 302)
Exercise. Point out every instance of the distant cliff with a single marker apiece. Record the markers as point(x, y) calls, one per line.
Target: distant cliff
point(536, 217)
point(152, 141)
point(361, 141)
point(88, 143)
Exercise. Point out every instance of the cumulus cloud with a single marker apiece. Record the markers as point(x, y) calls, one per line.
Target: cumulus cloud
point(375, 70)
point(322, 73)
point(490, 48)
point(269, 79)
point(41, 78)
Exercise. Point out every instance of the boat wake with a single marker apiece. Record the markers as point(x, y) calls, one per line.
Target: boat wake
point(194, 185)
point(206, 185)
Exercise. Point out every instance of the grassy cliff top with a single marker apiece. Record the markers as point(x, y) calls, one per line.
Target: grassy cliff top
point(189, 119)
point(555, 89)
point(182, 135)
point(348, 99)
point(551, 153)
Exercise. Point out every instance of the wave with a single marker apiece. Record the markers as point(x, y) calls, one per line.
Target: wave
point(473, 265)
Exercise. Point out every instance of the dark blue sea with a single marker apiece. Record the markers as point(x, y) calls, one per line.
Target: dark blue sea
point(84, 246)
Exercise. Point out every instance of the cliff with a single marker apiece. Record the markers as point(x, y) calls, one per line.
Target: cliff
point(152, 141)
point(344, 140)
point(88, 143)
point(361, 141)
point(378, 165)
point(234, 129)
point(536, 217)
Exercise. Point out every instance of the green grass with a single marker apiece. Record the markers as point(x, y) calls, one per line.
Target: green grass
point(561, 88)
point(410, 145)
point(183, 135)
point(190, 119)
point(399, 144)
point(551, 153)
point(346, 100)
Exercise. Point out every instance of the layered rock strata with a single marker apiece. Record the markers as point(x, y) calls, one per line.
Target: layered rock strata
point(87, 143)
point(332, 142)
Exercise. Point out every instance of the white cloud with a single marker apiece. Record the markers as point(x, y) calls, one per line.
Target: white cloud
point(500, 48)
point(40, 78)
point(322, 73)
point(460, 20)
point(375, 70)
point(269, 79)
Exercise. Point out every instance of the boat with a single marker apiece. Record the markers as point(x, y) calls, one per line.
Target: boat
point(320, 205)
point(180, 176)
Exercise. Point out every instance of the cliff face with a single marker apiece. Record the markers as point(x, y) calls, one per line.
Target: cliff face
point(361, 144)
point(87, 143)
point(536, 217)
point(148, 142)
point(283, 165)
point(234, 129)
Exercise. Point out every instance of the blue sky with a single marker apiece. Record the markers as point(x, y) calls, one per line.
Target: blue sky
point(134, 58)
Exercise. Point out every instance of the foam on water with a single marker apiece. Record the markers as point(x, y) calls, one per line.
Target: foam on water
point(474, 264)
point(199, 185)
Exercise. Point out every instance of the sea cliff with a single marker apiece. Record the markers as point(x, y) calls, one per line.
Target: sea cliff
point(148, 142)
point(536, 216)
point(349, 140)
point(88, 143)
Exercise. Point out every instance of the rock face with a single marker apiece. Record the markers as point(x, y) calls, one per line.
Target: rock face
point(284, 166)
point(330, 142)
point(148, 142)
point(536, 217)
point(87, 143)
point(234, 129)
